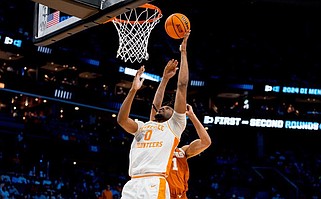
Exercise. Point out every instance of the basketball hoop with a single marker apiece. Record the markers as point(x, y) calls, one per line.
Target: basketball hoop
point(134, 28)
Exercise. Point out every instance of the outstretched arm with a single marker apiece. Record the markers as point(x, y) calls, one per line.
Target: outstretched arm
point(183, 78)
point(169, 72)
point(203, 142)
point(123, 119)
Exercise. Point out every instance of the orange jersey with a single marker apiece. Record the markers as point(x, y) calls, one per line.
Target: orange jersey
point(178, 175)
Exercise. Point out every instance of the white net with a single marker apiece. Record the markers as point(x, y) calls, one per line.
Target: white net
point(134, 28)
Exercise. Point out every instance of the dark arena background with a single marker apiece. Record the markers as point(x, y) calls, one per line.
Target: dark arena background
point(254, 83)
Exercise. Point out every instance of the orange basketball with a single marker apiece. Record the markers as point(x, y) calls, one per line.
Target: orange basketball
point(176, 25)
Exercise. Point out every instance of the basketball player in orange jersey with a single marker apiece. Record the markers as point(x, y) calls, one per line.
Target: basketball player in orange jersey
point(154, 141)
point(179, 174)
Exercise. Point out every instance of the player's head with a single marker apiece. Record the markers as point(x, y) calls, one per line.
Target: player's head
point(164, 113)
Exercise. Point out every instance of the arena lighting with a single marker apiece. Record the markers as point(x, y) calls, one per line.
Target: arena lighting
point(132, 72)
point(93, 148)
point(90, 61)
point(314, 112)
point(292, 90)
point(68, 102)
point(197, 83)
point(242, 86)
point(63, 94)
point(262, 123)
point(44, 49)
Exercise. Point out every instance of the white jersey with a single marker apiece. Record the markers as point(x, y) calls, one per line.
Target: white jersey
point(153, 146)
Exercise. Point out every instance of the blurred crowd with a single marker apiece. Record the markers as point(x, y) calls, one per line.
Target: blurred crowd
point(55, 160)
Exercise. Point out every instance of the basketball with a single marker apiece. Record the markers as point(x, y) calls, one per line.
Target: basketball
point(176, 25)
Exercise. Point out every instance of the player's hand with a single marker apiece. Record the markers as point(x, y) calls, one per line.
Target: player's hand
point(138, 81)
point(170, 69)
point(189, 110)
point(182, 47)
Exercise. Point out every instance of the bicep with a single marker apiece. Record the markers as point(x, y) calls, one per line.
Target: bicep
point(130, 126)
point(194, 148)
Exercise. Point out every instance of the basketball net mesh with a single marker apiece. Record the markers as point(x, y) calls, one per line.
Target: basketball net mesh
point(134, 28)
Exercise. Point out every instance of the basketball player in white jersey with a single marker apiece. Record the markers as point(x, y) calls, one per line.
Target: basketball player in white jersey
point(179, 173)
point(154, 141)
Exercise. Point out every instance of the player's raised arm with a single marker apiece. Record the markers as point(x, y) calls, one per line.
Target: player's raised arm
point(123, 118)
point(169, 71)
point(204, 140)
point(183, 78)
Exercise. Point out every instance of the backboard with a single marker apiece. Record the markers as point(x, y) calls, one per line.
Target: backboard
point(55, 20)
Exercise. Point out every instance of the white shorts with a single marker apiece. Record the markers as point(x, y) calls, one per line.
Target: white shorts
point(151, 187)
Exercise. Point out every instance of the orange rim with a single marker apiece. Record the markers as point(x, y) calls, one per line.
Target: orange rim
point(146, 5)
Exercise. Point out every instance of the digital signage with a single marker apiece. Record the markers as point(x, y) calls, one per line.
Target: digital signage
point(262, 123)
